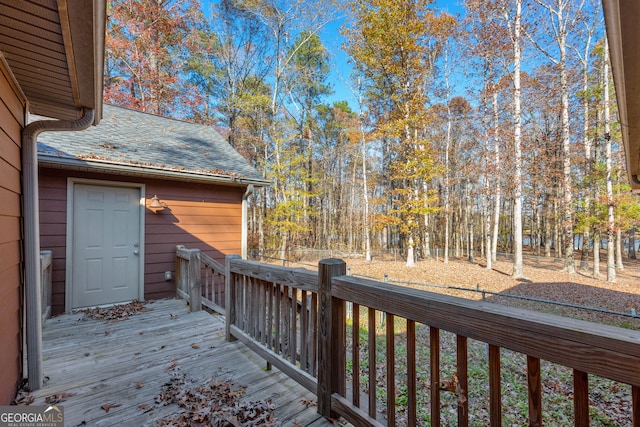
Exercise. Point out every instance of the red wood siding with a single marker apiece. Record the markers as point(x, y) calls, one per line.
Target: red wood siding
point(12, 114)
point(201, 216)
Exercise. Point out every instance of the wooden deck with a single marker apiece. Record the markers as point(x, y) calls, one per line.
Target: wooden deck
point(127, 363)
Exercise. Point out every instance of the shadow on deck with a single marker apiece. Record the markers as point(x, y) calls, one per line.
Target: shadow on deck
point(127, 364)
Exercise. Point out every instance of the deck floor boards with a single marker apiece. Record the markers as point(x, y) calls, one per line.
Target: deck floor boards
point(129, 361)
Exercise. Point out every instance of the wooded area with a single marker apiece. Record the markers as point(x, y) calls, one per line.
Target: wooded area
point(475, 133)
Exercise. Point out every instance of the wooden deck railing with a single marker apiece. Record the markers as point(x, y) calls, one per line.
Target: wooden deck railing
point(274, 310)
point(45, 283)
point(199, 279)
point(298, 321)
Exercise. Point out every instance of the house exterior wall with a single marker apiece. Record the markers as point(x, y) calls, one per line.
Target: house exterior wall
point(203, 216)
point(12, 120)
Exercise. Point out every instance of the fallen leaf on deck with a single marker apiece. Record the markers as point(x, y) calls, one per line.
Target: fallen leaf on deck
point(107, 332)
point(57, 398)
point(307, 402)
point(139, 385)
point(145, 408)
point(174, 363)
point(24, 400)
point(109, 406)
point(194, 345)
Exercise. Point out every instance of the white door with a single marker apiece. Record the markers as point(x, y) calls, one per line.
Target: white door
point(105, 245)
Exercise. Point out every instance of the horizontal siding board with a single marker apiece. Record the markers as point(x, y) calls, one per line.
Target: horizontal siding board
point(49, 205)
point(9, 151)
point(10, 202)
point(13, 103)
point(10, 177)
point(197, 230)
point(10, 257)
point(9, 229)
point(10, 126)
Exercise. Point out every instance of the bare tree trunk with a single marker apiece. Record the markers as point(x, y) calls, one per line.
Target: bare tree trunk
point(596, 254)
point(611, 266)
point(619, 264)
point(447, 203)
point(427, 236)
point(547, 230)
point(496, 149)
point(410, 255)
point(517, 136)
point(632, 243)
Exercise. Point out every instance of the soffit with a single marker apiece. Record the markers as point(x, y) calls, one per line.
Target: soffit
point(55, 49)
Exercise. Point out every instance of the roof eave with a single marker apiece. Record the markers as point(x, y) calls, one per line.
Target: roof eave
point(145, 171)
point(623, 33)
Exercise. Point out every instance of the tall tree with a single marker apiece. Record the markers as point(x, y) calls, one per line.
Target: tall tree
point(144, 49)
point(562, 17)
point(395, 45)
point(513, 18)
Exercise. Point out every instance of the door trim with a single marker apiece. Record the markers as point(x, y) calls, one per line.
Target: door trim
point(71, 182)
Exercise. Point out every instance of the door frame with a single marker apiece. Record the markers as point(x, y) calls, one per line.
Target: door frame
point(71, 183)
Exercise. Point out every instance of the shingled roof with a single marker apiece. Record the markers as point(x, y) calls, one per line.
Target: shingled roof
point(129, 142)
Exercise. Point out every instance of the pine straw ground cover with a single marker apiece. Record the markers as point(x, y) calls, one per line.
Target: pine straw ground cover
point(610, 402)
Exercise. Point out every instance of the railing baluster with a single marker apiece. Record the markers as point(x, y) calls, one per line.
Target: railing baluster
point(391, 371)
point(535, 391)
point(304, 332)
point(293, 338)
point(277, 323)
point(635, 406)
point(434, 342)
point(412, 405)
point(355, 354)
point(463, 380)
point(372, 362)
point(270, 291)
point(581, 398)
point(262, 292)
point(313, 320)
point(495, 395)
point(286, 322)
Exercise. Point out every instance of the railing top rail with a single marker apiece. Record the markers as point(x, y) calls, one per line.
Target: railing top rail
point(590, 347)
point(299, 277)
point(212, 263)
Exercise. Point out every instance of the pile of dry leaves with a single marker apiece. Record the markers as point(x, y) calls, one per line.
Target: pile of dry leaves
point(215, 403)
point(114, 313)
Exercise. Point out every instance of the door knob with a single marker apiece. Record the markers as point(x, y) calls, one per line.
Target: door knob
point(136, 252)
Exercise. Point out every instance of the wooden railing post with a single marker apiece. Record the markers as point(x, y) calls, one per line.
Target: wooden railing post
point(229, 296)
point(195, 280)
point(331, 337)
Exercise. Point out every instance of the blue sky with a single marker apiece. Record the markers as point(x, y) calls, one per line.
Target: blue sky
point(340, 73)
point(341, 70)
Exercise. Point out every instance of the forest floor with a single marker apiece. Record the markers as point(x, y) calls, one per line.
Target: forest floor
point(545, 280)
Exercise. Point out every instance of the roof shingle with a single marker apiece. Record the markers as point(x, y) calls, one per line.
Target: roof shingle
point(129, 137)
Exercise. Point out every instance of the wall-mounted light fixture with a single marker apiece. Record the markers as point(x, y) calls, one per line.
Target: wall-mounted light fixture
point(157, 205)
